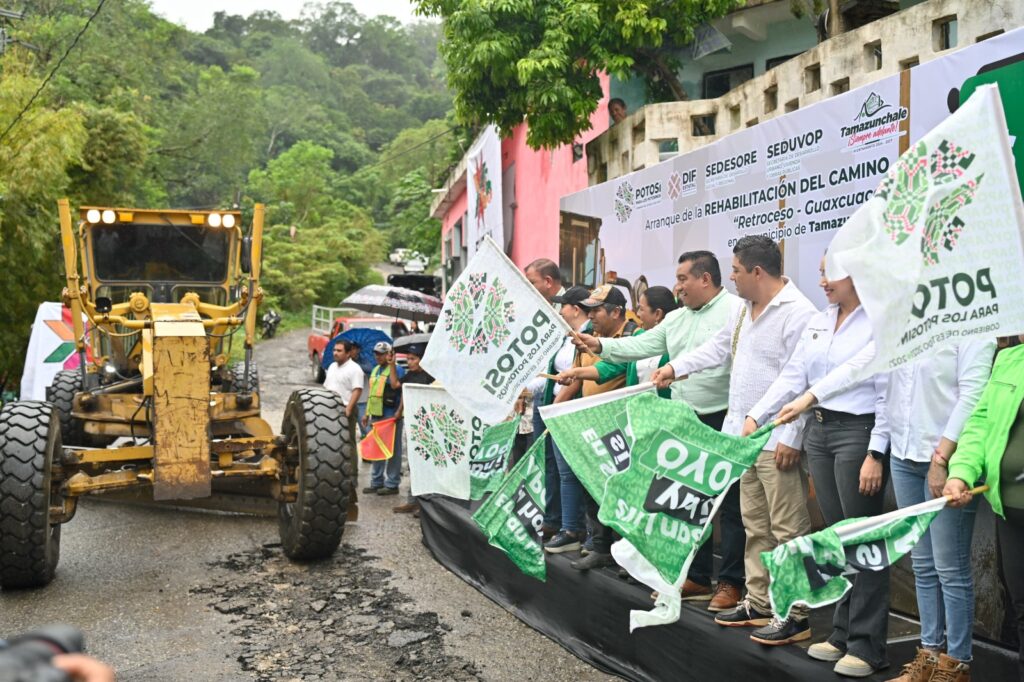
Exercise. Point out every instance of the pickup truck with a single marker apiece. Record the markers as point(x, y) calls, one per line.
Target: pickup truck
point(329, 322)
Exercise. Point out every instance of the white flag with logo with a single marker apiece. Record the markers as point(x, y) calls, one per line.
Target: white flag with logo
point(441, 436)
point(495, 333)
point(936, 253)
point(483, 190)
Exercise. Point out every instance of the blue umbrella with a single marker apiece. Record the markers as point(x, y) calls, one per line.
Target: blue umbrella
point(365, 338)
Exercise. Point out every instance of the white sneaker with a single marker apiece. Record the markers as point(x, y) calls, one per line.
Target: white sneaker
point(823, 651)
point(851, 666)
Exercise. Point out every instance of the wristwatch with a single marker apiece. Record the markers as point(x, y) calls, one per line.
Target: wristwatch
point(876, 455)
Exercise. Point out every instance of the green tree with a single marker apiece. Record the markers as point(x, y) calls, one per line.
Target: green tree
point(539, 61)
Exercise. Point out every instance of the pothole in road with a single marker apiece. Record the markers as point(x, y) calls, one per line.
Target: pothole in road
point(332, 620)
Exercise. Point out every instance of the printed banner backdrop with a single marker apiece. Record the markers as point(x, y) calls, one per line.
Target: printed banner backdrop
point(809, 569)
point(51, 348)
point(512, 516)
point(663, 502)
point(441, 435)
point(496, 333)
point(936, 252)
point(483, 190)
point(593, 434)
point(795, 177)
point(487, 464)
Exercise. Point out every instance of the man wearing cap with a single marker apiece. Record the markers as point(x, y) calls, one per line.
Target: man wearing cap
point(383, 403)
point(414, 374)
point(706, 308)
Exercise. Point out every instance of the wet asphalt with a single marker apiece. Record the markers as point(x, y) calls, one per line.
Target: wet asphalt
point(168, 594)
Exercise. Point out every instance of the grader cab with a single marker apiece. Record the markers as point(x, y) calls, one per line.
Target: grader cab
point(155, 406)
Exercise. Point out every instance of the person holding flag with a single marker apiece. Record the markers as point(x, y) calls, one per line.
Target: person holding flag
point(991, 447)
point(384, 397)
point(759, 339)
point(845, 445)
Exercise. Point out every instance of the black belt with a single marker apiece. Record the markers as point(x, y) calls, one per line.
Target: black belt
point(825, 416)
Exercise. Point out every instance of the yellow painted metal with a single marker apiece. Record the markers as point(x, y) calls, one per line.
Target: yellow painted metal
point(82, 483)
point(122, 454)
point(181, 404)
point(147, 362)
point(254, 276)
point(73, 291)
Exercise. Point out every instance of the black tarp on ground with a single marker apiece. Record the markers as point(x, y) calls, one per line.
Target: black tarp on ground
point(588, 614)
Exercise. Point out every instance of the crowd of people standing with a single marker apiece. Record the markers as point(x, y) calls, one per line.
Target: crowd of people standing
point(935, 427)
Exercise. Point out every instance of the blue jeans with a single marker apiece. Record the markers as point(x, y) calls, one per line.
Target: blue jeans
point(388, 473)
point(552, 487)
point(942, 564)
point(571, 493)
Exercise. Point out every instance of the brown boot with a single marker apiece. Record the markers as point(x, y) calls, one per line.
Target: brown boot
point(920, 669)
point(692, 591)
point(951, 670)
point(726, 597)
point(406, 508)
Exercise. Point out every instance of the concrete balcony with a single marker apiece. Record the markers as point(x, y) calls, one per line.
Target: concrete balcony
point(850, 60)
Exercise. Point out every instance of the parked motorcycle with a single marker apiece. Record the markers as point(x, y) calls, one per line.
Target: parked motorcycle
point(270, 320)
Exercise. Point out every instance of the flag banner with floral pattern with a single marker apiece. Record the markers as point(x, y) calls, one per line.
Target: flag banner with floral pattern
point(441, 435)
point(512, 516)
point(811, 569)
point(936, 253)
point(495, 334)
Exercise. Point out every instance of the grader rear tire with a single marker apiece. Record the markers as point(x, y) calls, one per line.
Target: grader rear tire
point(323, 466)
point(29, 445)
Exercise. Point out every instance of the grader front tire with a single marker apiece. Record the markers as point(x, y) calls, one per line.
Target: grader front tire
point(29, 445)
point(322, 463)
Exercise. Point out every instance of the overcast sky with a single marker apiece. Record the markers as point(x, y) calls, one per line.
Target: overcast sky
point(198, 14)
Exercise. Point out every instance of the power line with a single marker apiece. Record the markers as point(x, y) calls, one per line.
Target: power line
point(49, 77)
point(406, 151)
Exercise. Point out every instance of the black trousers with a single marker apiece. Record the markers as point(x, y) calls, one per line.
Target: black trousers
point(835, 454)
point(732, 538)
point(1010, 532)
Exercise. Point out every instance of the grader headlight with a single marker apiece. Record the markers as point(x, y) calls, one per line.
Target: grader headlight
point(92, 215)
point(213, 220)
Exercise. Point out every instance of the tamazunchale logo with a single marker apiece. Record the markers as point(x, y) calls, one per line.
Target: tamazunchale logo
point(907, 185)
point(439, 434)
point(479, 314)
point(624, 201)
point(872, 105)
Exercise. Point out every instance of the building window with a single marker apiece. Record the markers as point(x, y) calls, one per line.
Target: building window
point(770, 64)
point(751, 123)
point(944, 33)
point(717, 83)
point(734, 117)
point(792, 105)
point(702, 126)
point(771, 99)
point(873, 56)
point(667, 148)
point(909, 63)
point(840, 86)
point(812, 78)
point(993, 34)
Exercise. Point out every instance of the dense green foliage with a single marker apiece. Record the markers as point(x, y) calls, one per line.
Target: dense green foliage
point(339, 123)
point(539, 60)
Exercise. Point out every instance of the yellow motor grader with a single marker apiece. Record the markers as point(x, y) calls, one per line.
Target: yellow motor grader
point(155, 406)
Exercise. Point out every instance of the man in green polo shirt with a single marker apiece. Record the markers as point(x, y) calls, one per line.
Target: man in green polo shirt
point(706, 308)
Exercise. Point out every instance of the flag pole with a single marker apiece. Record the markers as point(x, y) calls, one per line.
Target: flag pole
point(580, 341)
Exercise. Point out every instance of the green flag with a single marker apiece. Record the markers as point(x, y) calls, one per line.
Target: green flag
point(679, 473)
point(512, 516)
point(593, 434)
point(487, 463)
point(810, 569)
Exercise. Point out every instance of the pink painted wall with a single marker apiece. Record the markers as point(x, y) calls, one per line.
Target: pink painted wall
point(543, 177)
point(455, 212)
